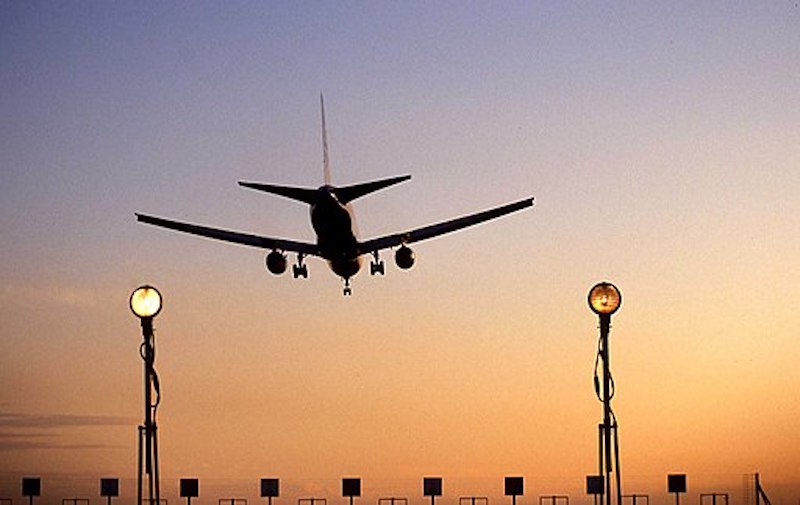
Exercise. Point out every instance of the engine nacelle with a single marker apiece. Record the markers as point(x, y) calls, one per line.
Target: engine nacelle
point(404, 257)
point(276, 262)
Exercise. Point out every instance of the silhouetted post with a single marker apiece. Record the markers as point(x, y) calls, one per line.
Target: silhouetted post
point(75, 501)
point(594, 485)
point(604, 300)
point(761, 495)
point(392, 500)
point(432, 486)
point(714, 497)
point(473, 500)
point(270, 488)
point(635, 498)
point(31, 486)
point(232, 501)
point(554, 499)
point(110, 487)
point(514, 486)
point(145, 303)
point(351, 488)
point(190, 488)
point(312, 501)
point(676, 483)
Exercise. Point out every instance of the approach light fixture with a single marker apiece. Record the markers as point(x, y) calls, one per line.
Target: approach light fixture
point(145, 302)
point(604, 299)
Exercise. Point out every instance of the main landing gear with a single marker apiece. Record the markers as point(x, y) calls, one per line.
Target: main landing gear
point(300, 269)
point(376, 265)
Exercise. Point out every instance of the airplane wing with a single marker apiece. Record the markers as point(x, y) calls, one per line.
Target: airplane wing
point(232, 236)
point(437, 229)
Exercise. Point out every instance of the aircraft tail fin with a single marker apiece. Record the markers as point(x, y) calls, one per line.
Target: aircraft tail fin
point(306, 195)
point(326, 161)
point(347, 194)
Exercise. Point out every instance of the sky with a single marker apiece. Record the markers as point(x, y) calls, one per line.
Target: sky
point(661, 142)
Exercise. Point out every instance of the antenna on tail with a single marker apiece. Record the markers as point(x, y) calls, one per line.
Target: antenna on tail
point(326, 162)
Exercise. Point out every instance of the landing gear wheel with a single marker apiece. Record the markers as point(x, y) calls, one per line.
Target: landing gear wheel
point(376, 266)
point(300, 269)
point(347, 291)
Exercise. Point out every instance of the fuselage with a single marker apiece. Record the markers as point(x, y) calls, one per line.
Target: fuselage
point(333, 224)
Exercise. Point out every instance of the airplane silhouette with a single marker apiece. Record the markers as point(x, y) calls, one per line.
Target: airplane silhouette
point(332, 220)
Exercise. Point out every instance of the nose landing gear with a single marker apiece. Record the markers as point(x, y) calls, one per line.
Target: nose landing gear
point(347, 290)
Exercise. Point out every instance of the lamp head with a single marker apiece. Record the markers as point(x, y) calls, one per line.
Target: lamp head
point(145, 302)
point(604, 299)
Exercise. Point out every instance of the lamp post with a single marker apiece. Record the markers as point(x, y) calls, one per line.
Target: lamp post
point(145, 303)
point(604, 300)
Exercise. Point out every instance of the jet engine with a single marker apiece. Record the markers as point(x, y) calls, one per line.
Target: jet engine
point(276, 262)
point(404, 257)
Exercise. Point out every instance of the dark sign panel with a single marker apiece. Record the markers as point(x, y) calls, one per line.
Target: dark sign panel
point(190, 488)
point(31, 486)
point(351, 487)
point(595, 484)
point(432, 486)
point(514, 486)
point(270, 488)
point(109, 487)
point(676, 483)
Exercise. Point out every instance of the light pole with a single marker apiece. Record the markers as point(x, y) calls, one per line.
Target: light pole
point(604, 300)
point(145, 303)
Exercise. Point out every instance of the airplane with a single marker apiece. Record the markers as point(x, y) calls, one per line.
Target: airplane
point(332, 221)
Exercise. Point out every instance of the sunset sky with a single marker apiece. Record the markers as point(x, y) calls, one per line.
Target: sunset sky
point(660, 140)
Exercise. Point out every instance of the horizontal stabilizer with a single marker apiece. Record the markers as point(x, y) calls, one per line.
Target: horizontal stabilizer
point(306, 195)
point(347, 194)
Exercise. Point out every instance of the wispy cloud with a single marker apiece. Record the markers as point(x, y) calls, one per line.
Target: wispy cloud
point(37, 431)
point(53, 295)
point(14, 443)
point(51, 421)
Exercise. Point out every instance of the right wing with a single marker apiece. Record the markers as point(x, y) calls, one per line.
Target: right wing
point(437, 229)
point(233, 236)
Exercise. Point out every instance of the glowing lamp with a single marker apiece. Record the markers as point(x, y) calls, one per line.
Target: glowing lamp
point(604, 299)
point(145, 302)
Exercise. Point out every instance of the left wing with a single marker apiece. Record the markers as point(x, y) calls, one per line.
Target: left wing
point(233, 236)
point(437, 229)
